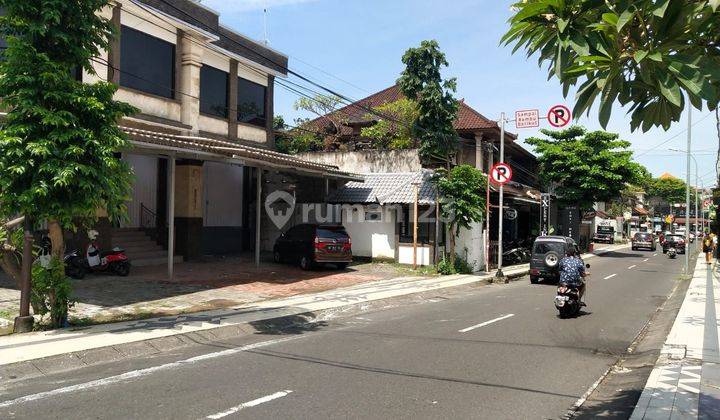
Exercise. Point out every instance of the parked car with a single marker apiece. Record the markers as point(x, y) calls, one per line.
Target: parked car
point(643, 240)
point(674, 241)
point(312, 244)
point(547, 251)
point(604, 234)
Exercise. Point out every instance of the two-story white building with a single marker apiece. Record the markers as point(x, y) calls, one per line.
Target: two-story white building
point(202, 143)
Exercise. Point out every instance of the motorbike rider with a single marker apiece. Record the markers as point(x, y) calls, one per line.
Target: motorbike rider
point(572, 272)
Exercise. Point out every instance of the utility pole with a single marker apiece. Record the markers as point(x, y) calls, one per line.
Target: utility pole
point(415, 224)
point(687, 191)
point(500, 275)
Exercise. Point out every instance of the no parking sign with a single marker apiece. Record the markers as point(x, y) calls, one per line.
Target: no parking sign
point(501, 173)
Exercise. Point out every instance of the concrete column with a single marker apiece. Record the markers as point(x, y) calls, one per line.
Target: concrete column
point(479, 164)
point(270, 112)
point(233, 101)
point(189, 208)
point(113, 75)
point(190, 54)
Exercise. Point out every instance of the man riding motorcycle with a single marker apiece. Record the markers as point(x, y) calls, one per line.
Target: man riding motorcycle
point(572, 272)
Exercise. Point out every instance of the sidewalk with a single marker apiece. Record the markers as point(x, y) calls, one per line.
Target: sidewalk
point(685, 382)
point(39, 345)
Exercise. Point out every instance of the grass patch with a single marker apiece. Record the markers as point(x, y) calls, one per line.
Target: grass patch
point(4, 313)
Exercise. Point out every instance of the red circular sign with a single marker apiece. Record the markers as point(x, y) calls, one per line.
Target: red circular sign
point(559, 116)
point(501, 173)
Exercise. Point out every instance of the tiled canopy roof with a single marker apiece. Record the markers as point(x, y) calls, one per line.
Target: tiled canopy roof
point(227, 149)
point(468, 118)
point(388, 188)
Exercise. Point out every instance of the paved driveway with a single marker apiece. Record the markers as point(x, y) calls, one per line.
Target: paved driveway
point(210, 284)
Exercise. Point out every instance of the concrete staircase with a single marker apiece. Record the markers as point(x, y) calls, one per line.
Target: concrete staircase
point(140, 248)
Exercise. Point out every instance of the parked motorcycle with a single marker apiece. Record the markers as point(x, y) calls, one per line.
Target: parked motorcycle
point(567, 300)
point(672, 253)
point(517, 252)
point(94, 260)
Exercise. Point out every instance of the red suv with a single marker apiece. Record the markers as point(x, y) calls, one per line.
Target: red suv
point(312, 244)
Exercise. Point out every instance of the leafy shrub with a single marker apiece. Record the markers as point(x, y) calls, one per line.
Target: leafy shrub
point(51, 290)
point(445, 266)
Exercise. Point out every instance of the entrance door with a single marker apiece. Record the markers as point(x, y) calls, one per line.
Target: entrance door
point(144, 190)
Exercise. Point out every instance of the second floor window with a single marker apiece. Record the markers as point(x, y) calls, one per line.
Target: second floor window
point(251, 102)
point(213, 91)
point(147, 63)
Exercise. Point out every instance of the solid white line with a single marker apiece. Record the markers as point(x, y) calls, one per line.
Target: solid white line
point(486, 323)
point(631, 267)
point(249, 404)
point(610, 276)
point(141, 372)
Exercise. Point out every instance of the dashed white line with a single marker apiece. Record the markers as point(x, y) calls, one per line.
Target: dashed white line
point(631, 267)
point(646, 259)
point(123, 377)
point(655, 254)
point(249, 404)
point(486, 323)
point(609, 277)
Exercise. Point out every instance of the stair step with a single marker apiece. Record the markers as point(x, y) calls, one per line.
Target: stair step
point(133, 235)
point(142, 247)
point(146, 255)
point(146, 262)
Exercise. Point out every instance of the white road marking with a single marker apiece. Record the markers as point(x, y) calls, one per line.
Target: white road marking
point(631, 267)
point(655, 254)
point(486, 323)
point(609, 277)
point(141, 372)
point(646, 259)
point(249, 404)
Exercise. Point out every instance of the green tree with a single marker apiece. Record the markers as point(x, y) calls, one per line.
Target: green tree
point(422, 82)
point(670, 190)
point(326, 108)
point(395, 132)
point(461, 191)
point(585, 167)
point(60, 136)
point(298, 139)
point(652, 55)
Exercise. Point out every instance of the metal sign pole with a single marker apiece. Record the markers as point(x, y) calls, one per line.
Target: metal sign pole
point(500, 274)
point(687, 192)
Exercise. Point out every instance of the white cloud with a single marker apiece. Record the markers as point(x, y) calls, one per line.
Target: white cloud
point(235, 6)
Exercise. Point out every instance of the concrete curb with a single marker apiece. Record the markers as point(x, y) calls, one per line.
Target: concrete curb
point(283, 325)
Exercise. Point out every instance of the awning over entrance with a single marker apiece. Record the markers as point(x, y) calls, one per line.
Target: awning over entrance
point(204, 148)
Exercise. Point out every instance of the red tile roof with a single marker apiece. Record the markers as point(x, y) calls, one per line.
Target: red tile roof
point(468, 118)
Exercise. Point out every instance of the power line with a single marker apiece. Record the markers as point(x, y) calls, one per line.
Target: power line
point(672, 137)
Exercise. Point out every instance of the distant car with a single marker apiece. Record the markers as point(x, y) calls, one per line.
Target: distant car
point(547, 251)
point(312, 244)
point(604, 235)
point(674, 241)
point(643, 240)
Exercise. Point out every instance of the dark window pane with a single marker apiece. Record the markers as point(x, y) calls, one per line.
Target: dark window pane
point(77, 73)
point(251, 102)
point(213, 91)
point(545, 247)
point(147, 63)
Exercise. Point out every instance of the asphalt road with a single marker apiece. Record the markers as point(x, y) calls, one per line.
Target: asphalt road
point(497, 352)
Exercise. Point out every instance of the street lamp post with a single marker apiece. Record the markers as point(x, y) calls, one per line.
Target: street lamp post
point(697, 182)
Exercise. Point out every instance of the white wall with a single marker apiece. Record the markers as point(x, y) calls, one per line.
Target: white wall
point(406, 255)
point(223, 194)
point(470, 245)
point(374, 239)
point(144, 189)
point(367, 161)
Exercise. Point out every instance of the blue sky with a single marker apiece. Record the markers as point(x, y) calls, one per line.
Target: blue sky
point(361, 42)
